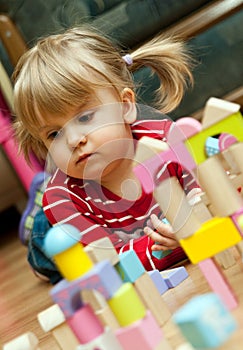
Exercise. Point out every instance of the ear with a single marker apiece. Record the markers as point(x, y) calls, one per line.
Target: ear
point(129, 106)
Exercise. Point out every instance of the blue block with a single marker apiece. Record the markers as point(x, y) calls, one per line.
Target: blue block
point(103, 277)
point(175, 276)
point(212, 146)
point(158, 281)
point(205, 321)
point(130, 267)
point(160, 254)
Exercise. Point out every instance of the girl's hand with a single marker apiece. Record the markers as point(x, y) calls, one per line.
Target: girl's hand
point(164, 237)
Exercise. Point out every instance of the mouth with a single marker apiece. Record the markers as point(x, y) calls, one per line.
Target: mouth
point(83, 158)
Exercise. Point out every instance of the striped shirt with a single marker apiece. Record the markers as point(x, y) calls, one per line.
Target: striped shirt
point(97, 212)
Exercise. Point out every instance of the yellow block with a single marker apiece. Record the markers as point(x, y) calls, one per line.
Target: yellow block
point(196, 144)
point(213, 237)
point(73, 262)
point(127, 305)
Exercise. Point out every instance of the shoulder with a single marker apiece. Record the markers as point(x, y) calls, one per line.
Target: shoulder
point(157, 129)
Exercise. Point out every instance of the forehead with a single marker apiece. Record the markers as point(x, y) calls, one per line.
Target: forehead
point(100, 97)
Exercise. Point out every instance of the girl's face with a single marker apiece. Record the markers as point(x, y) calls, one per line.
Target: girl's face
point(94, 143)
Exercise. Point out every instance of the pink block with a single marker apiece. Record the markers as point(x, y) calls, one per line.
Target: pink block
point(235, 218)
point(189, 126)
point(218, 282)
point(144, 334)
point(85, 325)
point(226, 140)
point(146, 172)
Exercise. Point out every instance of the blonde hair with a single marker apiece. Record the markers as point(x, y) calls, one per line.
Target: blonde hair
point(62, 71)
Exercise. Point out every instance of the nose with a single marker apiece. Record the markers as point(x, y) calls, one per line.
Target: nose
point(75, 137)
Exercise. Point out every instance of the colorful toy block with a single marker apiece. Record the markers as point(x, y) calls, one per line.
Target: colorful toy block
point(85, 325)
point(129, 267)
point(189, 126)
point(173, 277)
point(178, 211)
point(106, 341)
point(53, 320)
point(102, 249)
point(152, 299)
point(233, 124)
point(145, 334)
point(216, 110)
point(148, 147)
point(100, 307)
point(147, 171)
point(212, 146)
point(237, 218)
point(127, 305)
point(26, 341)
point(218, 282)
point(205, 322)
point(102, 277)
point(214, 236)
point(159, 281)
point(221, 193)
point(63, 246)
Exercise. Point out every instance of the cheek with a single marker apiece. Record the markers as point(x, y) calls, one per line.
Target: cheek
point(60, 155)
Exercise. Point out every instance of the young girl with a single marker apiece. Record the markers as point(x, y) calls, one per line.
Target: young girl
point(75, 104)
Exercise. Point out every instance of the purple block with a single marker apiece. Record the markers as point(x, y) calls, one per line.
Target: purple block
point(158, 281)
point(175, 276)
point(103, 277)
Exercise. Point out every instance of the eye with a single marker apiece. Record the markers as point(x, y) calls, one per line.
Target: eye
point(53, 135)
point(84, 118)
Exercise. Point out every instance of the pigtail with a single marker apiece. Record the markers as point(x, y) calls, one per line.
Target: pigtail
point(170, 60)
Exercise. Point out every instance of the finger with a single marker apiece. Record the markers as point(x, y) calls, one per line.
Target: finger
point(162, 228)
point(163, 241)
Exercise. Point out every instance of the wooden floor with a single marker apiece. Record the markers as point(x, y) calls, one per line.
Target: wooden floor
point(23, 296)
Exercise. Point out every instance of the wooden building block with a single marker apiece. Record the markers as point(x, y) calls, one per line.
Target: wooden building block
point(185, 346)
point(159, 281)
point(236, 151)
point(100, 307)
point(216, 110)
point(164, 345)
point(152, 299)
point(145, 334)
point(106, 341)
point(218, 282)
point(102, 277)
point(53, 320)
point(174, 204)
point(130, 267)
point(26, 341)
point(127, 305)
point(65, 337)
point(222, 194)
point(107, 317)
point(225, 258)
point(102, 249)
point(214, 236)
point(205, 321)
point(148, 147)
point(85, 324)
point(173, 277)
